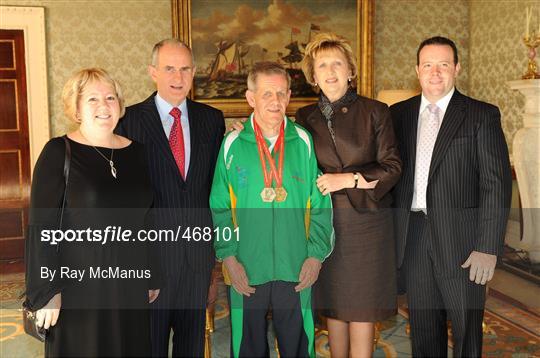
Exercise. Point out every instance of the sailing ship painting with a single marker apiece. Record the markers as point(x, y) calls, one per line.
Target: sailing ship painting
point(229, 36)
point(228, 63)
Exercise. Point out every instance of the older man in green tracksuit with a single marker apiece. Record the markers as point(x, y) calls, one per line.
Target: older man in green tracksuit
point(273, 226)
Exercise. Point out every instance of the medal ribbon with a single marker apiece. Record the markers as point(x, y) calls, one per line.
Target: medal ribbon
point(264, 152)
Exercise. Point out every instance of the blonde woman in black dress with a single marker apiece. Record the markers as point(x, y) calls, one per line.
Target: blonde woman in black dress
point(107, 186)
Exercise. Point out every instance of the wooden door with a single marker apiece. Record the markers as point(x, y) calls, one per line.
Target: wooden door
point(14, 146)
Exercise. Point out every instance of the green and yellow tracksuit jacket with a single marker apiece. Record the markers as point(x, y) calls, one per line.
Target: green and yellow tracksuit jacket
point(273, 239)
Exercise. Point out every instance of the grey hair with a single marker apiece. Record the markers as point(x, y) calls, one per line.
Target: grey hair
point(266, 68)
point(172, 42)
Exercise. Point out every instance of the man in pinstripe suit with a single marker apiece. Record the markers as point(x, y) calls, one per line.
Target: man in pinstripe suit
point(452, 204)
point(182, 140)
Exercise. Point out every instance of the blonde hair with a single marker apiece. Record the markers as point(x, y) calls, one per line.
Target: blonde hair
point(266, 68)
point(77, 83)
point(326, 41)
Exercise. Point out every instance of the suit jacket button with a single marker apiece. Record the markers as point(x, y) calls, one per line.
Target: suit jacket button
point(344, 110)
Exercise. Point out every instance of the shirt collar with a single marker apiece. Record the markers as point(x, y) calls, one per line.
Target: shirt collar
point(441, 103)
point(164, 107)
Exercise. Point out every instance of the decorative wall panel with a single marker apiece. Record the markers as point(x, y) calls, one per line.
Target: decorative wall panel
point(11, 223)
point(8, 105)
point(10, 175)
point(7, 55)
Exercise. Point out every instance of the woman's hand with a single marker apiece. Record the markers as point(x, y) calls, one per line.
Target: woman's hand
point(329, 183)
point(48, 315)
point(364, 184)
point(153, 295)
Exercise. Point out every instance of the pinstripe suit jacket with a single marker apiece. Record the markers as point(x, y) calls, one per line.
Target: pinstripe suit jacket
point(178, 202)
point(469, 181)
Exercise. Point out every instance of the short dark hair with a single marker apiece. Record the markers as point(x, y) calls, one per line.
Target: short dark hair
point(437, 40)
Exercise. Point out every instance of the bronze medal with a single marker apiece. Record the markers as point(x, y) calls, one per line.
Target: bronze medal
point(268, 195)
point(281, 194)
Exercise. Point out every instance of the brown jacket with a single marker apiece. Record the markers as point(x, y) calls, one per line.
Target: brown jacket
point(365, 143)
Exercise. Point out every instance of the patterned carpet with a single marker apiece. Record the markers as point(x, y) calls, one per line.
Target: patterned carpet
point(510, 331)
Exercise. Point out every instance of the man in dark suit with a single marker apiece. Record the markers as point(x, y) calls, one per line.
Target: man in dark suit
point(182, 140)
point(452, 204)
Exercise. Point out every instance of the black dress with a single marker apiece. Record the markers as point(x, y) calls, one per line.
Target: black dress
point(106, 312)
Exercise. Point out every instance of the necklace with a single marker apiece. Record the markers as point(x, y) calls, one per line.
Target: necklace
point(111, 163)
point(110, 160)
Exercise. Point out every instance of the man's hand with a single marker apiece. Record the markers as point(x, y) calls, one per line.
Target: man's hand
point(482, 267)
point(308, 274)
point(237, 274)
point(48, 315)
point(153, 295)
point(237, 125)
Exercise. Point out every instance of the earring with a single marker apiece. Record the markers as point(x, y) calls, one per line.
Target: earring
point(350, 79)
point(316, 84)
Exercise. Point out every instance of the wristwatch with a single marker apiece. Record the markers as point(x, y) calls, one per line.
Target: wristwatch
point(356, 177)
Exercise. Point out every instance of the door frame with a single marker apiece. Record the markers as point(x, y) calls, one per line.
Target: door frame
point(32, 21)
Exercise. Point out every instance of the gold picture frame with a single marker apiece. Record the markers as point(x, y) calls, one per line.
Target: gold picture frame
point(238, 107)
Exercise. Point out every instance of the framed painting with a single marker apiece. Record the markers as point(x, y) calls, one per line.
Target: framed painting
point(228, 36)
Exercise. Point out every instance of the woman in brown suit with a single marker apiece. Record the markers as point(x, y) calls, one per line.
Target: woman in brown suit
point(357, 152)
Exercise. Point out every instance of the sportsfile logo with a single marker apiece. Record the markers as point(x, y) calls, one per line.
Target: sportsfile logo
point(119, 234)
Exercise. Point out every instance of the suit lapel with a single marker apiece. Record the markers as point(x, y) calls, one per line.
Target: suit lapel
point(453, 117)
point(410, 129)
point(195, 136)
point(154, 128)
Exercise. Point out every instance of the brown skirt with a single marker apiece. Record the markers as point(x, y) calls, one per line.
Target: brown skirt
point(357, 281)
